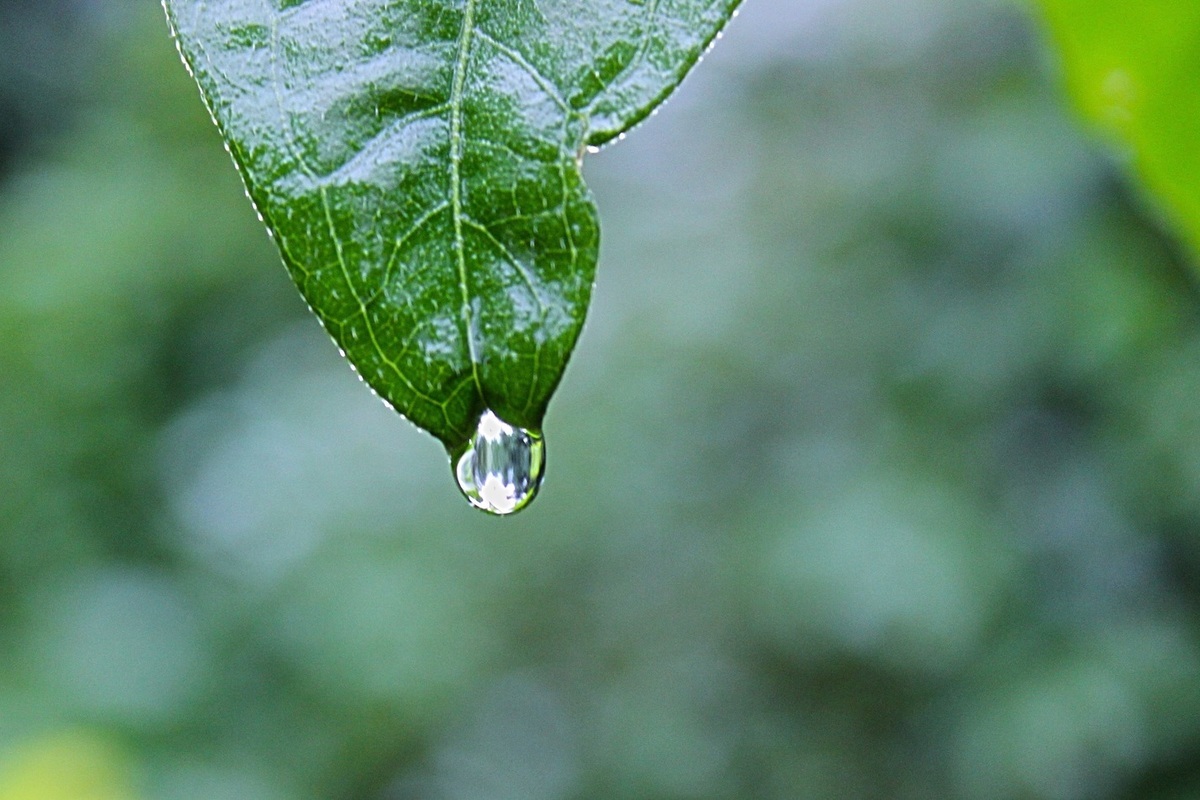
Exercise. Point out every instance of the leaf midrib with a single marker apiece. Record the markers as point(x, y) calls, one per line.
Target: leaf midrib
point(456, 212)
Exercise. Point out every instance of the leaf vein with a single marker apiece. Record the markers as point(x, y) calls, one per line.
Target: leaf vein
point(517, 58)
point(508, 256)
point(638, 58)
point(408, 234)
point(337, 241)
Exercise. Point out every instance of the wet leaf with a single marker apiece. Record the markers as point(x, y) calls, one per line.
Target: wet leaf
point(418, 164)
point(1134, 69)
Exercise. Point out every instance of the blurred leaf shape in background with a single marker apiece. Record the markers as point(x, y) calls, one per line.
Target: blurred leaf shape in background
point(66, 765)
point(1134, 68)
point(419, 165)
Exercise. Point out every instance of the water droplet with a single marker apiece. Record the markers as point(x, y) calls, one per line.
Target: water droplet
point(501, 467)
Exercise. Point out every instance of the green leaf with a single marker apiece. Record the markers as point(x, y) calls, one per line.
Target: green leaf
point(1134, 69)
point(418, 164)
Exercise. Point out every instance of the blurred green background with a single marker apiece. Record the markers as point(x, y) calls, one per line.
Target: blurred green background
point(874, 474)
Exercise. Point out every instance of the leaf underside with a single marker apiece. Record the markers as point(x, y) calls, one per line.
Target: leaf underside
point(418, 164)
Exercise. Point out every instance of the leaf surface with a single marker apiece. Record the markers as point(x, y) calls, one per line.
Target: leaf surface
point(1133, 68)
point(418, 164)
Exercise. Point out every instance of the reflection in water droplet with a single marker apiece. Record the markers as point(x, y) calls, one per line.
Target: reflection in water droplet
point(501, 468)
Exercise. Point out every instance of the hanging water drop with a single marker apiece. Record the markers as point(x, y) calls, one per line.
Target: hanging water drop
point(501, 466)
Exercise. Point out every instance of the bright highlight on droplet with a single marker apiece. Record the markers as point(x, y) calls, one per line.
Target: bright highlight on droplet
point(501, 467)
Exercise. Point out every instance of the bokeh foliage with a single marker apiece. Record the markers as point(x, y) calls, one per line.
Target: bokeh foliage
point(875, 474)
point(1134, 70)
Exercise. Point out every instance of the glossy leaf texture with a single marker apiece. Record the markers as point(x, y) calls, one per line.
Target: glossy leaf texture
point(1134, 69)
point(418, 164)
